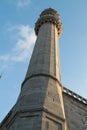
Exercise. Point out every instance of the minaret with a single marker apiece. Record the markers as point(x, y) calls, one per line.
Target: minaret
point(40, 103)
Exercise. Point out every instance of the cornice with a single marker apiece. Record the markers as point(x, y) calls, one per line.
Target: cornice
point(75, 96)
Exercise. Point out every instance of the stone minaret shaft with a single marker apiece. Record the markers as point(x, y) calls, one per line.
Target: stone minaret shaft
point(45, 57)
point(40, 103)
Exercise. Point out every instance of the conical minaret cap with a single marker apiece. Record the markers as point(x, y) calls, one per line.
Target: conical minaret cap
point(49, 16)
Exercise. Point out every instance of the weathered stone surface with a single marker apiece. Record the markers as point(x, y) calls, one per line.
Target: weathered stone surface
point(42, 104)
point(75, 112)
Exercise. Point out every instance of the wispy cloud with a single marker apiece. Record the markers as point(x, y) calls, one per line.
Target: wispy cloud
point(4, 57)
point(23, 47)
point(23, 3)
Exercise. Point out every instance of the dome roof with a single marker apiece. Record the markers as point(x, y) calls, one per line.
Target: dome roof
point(49, 11)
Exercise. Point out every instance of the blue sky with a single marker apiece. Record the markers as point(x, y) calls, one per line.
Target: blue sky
point(17, 38)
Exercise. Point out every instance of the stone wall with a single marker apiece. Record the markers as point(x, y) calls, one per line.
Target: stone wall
point(75, 112)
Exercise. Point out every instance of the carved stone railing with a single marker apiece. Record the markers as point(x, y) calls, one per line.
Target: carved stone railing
point(74, 95)
point(49, 16)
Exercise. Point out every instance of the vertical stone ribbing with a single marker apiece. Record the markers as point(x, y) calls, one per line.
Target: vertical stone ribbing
point(40, 103)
